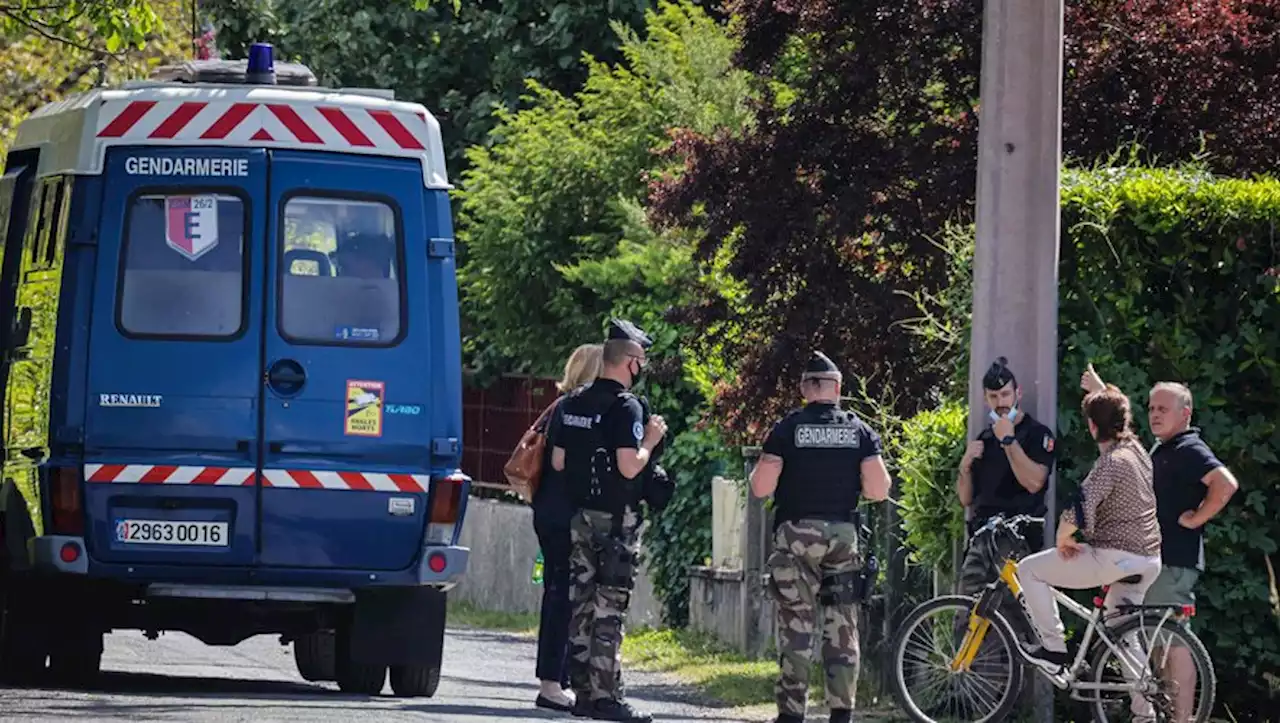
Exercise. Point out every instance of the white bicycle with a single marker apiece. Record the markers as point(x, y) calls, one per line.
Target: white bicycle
point(957, 658)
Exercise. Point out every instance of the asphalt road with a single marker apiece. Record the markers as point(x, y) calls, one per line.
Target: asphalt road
point(486, 677)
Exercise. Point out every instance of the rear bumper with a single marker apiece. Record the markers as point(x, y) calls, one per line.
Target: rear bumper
point(48, 557)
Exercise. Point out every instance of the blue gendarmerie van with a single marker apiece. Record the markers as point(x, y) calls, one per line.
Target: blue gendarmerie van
point(232, 375)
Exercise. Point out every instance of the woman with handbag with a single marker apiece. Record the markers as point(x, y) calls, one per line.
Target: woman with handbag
point(552, 510)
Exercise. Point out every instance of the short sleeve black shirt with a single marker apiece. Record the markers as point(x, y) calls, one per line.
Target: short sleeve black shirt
point(995, 488)
point(1178, 469)
point(822, 449)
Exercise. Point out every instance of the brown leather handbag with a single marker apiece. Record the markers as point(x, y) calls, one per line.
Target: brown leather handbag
point(523, 469)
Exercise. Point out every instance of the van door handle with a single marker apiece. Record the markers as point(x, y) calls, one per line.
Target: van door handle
point(286, 377)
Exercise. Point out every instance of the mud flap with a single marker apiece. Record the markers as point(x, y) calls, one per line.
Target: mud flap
point(398, 626)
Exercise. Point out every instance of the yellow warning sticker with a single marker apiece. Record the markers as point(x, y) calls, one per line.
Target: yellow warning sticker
point(364, 408)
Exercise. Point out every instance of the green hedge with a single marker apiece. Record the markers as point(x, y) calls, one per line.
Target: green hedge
point(1170, 274)
point(928, 449)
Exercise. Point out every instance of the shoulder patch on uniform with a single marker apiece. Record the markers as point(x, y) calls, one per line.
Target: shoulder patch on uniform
point(637, 429)
point(1048, 442)
point(829, 436)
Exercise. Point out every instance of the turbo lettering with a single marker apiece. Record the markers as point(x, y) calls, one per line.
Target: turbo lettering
point(827, 436)
point(147, 166)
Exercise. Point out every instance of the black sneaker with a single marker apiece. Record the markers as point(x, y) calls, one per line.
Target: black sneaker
point(1050, 661)
point(618, 710)
point(582, 707)
point(841, 715)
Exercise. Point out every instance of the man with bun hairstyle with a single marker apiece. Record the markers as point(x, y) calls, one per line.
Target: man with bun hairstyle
point(817, 462)
point(1003, 471)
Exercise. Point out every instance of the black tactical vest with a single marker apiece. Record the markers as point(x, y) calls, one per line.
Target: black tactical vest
point(591, 468)
point(821, 466)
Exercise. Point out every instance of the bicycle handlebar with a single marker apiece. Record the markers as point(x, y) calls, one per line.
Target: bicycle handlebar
point(1009, 523)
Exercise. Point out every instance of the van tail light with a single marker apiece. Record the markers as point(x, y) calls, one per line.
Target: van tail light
point(68, 510)
point(446, 507)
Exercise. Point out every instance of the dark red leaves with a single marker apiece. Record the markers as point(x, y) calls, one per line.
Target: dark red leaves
point(833, 202)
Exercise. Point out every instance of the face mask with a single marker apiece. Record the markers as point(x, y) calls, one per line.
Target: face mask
point(637, 374)
point(1013, 412)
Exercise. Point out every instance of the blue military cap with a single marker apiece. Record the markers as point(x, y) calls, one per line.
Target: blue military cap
point(623, 329)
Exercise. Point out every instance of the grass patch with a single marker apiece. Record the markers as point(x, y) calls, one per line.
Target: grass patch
point(466, 615)
point(702, 661)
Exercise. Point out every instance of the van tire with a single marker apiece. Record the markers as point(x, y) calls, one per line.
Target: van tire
point(414, 681)
point(360, 679)
point(316, 655)
point(76, 658)
point(23, 642)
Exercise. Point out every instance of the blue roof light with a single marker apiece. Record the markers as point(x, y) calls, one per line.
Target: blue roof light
point(261, 69)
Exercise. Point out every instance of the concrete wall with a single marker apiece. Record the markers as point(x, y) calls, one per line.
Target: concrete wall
point(503, 546)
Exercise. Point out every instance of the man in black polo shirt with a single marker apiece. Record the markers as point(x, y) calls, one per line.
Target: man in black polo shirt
point(1192, 486)
point(1003, 471)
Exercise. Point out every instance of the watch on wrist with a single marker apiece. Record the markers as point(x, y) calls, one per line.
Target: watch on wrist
point(1006, 441)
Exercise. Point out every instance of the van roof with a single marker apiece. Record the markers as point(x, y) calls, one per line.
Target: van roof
point(75, 133)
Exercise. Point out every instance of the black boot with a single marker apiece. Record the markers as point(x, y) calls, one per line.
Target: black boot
point(618, 710)
point(788, 718)
point(841, 715)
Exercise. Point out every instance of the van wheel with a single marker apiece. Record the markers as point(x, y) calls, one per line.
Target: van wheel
point(355, 678)
point(359, 679)
point(316, 655)
point(411, 681)
point(24, 644)
point(76, 658)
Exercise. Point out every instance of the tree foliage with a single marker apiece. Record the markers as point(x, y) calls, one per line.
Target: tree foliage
point(1178, 76)
point(551, 191)
point(831, 206)
point(827, 205)
point(461, 60)
point(89, 25)
point(36, 68)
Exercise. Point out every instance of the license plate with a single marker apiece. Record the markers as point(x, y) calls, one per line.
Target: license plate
point(169, 532)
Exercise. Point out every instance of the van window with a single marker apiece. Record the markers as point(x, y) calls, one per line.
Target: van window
point(340, 278)
point(184, 266)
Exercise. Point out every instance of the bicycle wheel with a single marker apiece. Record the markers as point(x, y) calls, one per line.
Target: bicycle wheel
point(1170, 652)
point(923, 682)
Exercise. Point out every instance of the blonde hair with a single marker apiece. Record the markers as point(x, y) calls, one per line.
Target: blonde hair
point(582, 368)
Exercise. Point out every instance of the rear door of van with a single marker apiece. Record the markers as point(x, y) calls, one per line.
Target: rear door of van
point(346, 421)
point(172, 424)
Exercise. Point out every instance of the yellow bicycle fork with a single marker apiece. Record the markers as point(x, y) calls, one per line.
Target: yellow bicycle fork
point(978, 624)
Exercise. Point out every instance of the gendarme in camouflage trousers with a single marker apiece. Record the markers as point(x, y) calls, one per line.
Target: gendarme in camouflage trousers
point(596, 628)
point(804, 553)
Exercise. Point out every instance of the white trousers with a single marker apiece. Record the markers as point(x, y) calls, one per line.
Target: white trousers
point(1092, 567)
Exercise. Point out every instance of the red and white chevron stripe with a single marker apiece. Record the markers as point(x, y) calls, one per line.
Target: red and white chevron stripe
point(168, 474)
point(368, 481)
point(245, 476)
point(303, 125)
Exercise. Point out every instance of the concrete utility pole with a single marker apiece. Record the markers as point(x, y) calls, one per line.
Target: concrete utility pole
point(1015, 265)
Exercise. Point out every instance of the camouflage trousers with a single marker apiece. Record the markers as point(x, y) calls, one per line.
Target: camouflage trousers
point(804, 553)
point(596, 628)
point(983, 559)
